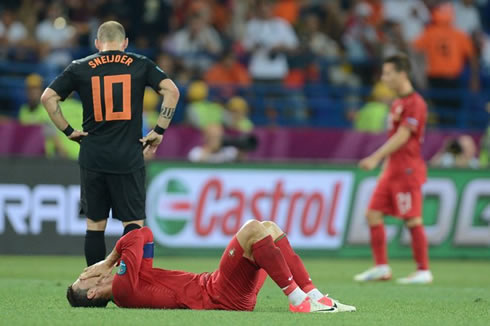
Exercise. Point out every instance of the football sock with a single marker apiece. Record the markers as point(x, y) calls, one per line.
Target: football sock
point(297, 297)
point(420, 247)
point(270, 258)
point(315, 294)
point(295, 264)
point(130, 227)
point(94, 247)
point(378, 244)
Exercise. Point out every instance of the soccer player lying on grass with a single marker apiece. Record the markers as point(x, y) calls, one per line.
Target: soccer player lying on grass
point(257, 250)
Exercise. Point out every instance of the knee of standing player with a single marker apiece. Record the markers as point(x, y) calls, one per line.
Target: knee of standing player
point(96, 225)
point(374, 217)
point(413, 222)
point(273, 229)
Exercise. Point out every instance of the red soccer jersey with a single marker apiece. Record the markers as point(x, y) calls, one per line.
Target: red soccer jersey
point(138, 285)
point(407, 161)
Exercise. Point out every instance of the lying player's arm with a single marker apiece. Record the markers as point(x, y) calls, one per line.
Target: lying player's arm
point(170, 94)
point(103, 267)
point(393, 144)
point(51, 102)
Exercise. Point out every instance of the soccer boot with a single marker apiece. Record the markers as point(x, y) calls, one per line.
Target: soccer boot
point(377, 273)
point(419, 277)
point(309, 305)
point(331, 302)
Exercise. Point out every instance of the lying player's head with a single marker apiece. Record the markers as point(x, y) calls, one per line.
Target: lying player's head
point(91, 292)
point(111, 33)
point(396, 71)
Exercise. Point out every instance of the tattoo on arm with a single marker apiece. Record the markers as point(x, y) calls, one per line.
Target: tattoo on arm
point(167, 112)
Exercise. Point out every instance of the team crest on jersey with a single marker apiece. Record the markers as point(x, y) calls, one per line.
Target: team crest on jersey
point(397, 112)
point(122, 268)
point(231, 253)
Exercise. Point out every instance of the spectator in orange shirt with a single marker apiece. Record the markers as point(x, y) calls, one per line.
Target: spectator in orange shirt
point(446, 49)
point(288, 10)
point(227, 72)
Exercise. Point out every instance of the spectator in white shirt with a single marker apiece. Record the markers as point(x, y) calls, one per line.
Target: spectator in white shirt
point(197, 44)
point(12, 32)
point(268, 39)
point(411, 15)
point(466, 16)
point(360, 38)
point(56, 37)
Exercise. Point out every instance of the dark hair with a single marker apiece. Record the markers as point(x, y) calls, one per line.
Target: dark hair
point(400, 61)
point(78, 298)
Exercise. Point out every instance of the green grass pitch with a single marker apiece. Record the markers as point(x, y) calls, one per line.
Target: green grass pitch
point(32, 292)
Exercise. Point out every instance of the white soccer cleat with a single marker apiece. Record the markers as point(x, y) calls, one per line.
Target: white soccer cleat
point(309, 305)
point(377, 273)
point(419, 277)
point(326, 300)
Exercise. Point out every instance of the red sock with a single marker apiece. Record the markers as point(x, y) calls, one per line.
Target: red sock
point(420, 247)
point(378, 244)
point(270, 258)
point(295, 264)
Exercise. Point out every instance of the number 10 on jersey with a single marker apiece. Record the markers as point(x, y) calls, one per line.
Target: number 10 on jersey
point(109, 82)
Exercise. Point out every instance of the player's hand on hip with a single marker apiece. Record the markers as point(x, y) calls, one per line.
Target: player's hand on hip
point(368, 163)
point(77, 136)
point(99, 269)
point(150, 143)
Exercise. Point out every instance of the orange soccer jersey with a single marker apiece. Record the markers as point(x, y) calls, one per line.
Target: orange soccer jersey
point(446, 49)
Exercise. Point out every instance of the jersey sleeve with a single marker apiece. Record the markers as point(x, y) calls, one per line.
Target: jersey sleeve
point(155, 75)
point(413, 116)
point(64, 84)
point(131, 249)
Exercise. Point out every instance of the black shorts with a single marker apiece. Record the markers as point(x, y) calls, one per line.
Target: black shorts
point(124, 193)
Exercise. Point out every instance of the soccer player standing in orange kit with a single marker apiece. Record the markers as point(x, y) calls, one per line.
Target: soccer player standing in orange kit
point(399, 189)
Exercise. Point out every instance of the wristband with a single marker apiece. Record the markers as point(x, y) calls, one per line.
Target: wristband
point(68, 131)
point(159, 130)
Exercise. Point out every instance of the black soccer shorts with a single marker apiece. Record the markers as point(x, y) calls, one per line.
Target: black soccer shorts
point(124, 193)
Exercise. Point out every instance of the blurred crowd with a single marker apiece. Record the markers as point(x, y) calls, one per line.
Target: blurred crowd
point(231, 41)
point(232, 44)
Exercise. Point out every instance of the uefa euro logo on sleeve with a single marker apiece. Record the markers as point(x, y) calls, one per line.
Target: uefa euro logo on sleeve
point(122, 268)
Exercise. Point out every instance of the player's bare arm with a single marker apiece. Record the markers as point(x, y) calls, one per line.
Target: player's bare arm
point(51, 102)
point(170, 94)
point(393, 144)
point(101, 268)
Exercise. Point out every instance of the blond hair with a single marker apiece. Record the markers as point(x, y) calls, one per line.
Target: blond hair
point(111, 31)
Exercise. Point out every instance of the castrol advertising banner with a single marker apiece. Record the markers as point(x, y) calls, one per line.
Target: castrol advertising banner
point(204, 206)
point(195, 209)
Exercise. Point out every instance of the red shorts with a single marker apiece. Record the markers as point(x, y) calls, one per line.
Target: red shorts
point(401, 197)
point(236, 283)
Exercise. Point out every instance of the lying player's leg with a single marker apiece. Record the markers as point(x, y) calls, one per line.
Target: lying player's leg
point(258, 246)
point(298, 269)
point(420, 253)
